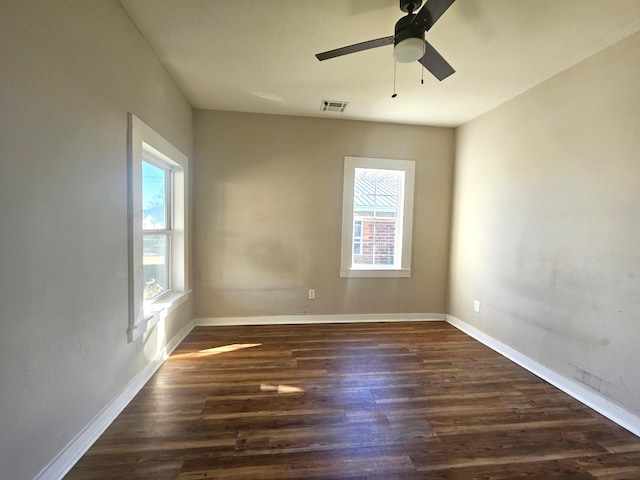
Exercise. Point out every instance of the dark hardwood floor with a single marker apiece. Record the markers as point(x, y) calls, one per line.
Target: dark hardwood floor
point(385, 401)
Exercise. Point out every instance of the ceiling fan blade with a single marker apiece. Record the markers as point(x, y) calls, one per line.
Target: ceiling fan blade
point(435, 63)
point(431, 12)
point(358, 47)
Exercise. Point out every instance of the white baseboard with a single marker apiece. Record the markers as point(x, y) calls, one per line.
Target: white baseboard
point(68, 457)
point(588, 397)
point(304, 319)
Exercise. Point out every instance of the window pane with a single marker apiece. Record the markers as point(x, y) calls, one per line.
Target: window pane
point(377, 245)
point(357, 229)
point(376, 199)
point(155, 261)
point(384, 240)
point(357, 237)
point(154, 197)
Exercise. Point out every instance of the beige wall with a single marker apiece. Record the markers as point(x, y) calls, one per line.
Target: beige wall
point(268, 210)
point(546, 223)
point(70, 71)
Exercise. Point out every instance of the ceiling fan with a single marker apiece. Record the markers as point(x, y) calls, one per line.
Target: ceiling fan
point(408, 40)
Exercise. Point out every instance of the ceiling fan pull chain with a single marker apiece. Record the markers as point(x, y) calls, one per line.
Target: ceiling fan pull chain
point(422, 79)
point(395, 64)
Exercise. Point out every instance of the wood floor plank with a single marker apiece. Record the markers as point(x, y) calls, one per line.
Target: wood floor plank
point(378, 401)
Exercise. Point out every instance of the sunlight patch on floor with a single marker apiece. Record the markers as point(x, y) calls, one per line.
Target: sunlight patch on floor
point(217, 350)
point(280, 388)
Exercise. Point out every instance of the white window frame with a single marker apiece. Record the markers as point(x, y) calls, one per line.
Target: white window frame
point(145, 144)
point(405, 222)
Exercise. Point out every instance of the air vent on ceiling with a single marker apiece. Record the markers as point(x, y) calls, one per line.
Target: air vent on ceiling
point(333, 106)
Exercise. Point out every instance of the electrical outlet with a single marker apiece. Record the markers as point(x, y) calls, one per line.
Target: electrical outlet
point(476, 306)
point(312, 294)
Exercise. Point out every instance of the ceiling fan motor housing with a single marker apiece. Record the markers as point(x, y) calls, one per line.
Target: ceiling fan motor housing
point(404, 29)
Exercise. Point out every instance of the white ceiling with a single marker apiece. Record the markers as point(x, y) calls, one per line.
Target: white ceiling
point(259, 55)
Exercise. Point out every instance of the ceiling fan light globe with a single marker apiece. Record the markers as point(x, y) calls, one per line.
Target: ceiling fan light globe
point(409, 50)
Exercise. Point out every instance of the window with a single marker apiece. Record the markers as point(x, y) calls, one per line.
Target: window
point(157, 227)
point(377, 217)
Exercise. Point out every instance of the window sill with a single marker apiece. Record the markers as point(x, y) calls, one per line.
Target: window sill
point(157, 311)
point(372, 273)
